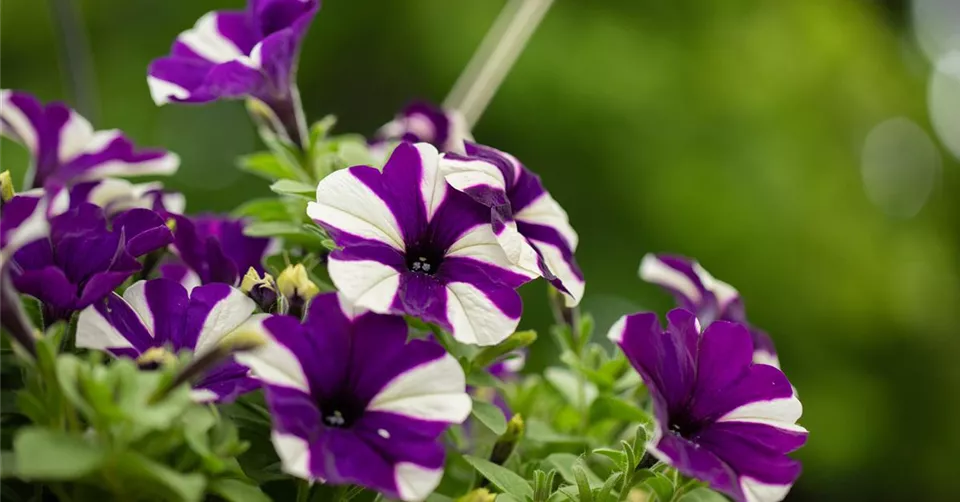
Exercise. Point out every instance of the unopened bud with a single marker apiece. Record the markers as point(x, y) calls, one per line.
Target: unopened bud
point(478, 495)
point(6, 186)
point(263, 290)
point(297, 289)
point(516, 341)
point(507, 442)
point(155, 357)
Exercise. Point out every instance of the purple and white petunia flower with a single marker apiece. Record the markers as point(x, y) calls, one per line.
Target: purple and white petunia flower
point(22, 220)
point(719, 417)
point(234, 54)
point(213, 248)
point(424, 122)
point(353, 402)
point(65, 148)
point(83, 260)
point(710, 298)
point(160, 315)
point(531, 226)
point(115, 195)
point(411, 245)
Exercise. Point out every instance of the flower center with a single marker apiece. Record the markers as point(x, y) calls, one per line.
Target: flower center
point(423, 260)
point(684, 427)
point(340, 412)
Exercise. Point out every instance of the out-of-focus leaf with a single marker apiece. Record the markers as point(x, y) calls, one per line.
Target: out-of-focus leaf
point(566, 464)
point(503, 478)
point(266, 165)
point(660, 485)
point(611, 407)
point(146, 476)
point(567, 383)
point(541, 432)
point(53, 455)
point(292, 187)
point(232, 490)
point(702, 495)
point(489, 415)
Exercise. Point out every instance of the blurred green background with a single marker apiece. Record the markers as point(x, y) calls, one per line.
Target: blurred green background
point(732, 131)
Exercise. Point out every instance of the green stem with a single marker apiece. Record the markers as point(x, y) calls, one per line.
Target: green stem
point(303, 491)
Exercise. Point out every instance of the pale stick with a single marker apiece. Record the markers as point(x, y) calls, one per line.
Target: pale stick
point(492, 61)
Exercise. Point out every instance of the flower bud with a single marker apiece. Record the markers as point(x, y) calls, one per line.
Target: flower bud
point(508, 441)
point(297, 289)
point(6, 186)
point(156, 357)
point(263, 290)
point(478, 495)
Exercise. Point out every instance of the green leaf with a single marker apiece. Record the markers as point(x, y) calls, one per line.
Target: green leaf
point(615, 455)
point(702, 495)
point(583, 486)
point(287, 230)
point(265, 209)
point(55, 455)
point(481, 378)
point(504, 479)
point(506, 497)
point(611, 407)
point(145, 476)
point(490, 415)
point(291, 187)
point(8, 464)
point(567, 463)
point(660, 485)
point(541, 432)
point(567, 383)
point(605, 492)
point(266, 165)
point(232, 490)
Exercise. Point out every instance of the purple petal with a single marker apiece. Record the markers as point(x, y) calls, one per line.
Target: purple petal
point(665, 360)
point(115, 326)
point(143, 230)
point(166, 303)
point(48, 284)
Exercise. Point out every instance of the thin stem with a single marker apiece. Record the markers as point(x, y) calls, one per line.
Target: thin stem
point(303, 491)
point(495, 57)
point(76, 59)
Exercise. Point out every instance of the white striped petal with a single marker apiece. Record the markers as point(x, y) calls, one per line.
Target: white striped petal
point(433, 187)
point(294, 453)
point(757, 491)
point(366, 283)
point(75, 136)
point(206, 40)
point(480, 243)
point(475, 319)
point(655, 271)
point(136, 297)
point(563, 269)
point(345, 203)
point(225, 316)
point(273, 363)
point(415, 482)
point(435, 390)
point(544, 210)
point(20, 126)
point(781, 413)
point(161, 91)
point(95, 332)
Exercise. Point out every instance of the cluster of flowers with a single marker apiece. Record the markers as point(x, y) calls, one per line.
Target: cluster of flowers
point(445, 231)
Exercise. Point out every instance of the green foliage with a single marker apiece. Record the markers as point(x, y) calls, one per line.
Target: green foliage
point(114, 428)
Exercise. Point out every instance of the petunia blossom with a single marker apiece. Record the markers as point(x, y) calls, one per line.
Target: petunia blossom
point(22, 220)
point(411, 245)
point(212, 248)
point(115, 195)
point(160, 318)
point(532, 227)
point(719, 417)
point(66, 150)
point(421, 121)
point(353, 402)
point(234, 54)
point(710, 298)
point(83, 260)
